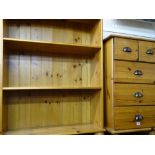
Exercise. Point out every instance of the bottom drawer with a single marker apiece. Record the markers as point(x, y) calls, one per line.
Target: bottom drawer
point(134, 117)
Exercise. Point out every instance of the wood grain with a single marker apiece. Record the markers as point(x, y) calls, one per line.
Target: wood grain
point(121, 85)
point(127, 37)
point(109, 98)
point(50, 71)
point(74, 129)
point(143, 47)
point(124, 72)
point(115, 132)
point(120, 43)
point(124, 117)
point(61, 48)
point(46, 108)
point(50, 88)
point(53, 76)
point(67, 31)
point(124, 94)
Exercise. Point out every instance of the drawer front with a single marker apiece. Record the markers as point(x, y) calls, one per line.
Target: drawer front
point(134, 117)
point(125, 49)
point(146, 51)
point(134, 94)
point(134, 72)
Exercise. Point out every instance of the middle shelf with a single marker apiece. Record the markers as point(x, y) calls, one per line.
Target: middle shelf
point(30, 70)
point(50, 47)
point(51, 88)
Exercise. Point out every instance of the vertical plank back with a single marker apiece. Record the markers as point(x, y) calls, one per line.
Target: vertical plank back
point(96, 33)
point(29, 109)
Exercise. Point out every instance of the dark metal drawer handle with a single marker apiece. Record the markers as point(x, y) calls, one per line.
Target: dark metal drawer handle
point(138, 95)
point(138, 117)
point(138, 72)
point(150, 52)
point(127, 49)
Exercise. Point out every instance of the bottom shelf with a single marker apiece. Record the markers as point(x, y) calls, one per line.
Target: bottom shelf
point(72, 129)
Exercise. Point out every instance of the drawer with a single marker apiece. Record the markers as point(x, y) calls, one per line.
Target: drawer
point(134, 117)
point(146, 51)
point(134, 72)
point(134, 94)
point(125, 49)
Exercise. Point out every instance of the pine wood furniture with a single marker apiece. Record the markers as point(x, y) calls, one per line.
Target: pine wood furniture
point(51, 76)
point(130, 84)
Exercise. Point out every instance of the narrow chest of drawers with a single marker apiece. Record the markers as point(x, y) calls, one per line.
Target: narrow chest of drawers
point(129, 84)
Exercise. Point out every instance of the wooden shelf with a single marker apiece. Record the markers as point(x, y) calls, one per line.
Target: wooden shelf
point(55, 48)
point(74, 129)
point(84, 21)
point(51, 88)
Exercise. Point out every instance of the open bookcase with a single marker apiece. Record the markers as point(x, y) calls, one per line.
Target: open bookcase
point(51, 76)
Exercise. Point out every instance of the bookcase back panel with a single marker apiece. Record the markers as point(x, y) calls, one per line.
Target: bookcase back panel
point(63, 31)
point(53, 71)
point(49, 108)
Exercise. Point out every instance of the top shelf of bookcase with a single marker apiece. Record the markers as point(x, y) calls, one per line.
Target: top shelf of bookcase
point(84, 21)
point(68, 31)
point(42, 46)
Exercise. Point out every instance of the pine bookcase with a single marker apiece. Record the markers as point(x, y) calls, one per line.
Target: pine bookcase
point(51, 76)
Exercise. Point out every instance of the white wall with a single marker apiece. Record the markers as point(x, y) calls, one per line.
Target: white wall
point(128, 27)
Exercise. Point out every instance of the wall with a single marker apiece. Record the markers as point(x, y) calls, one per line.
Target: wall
point(128, 27)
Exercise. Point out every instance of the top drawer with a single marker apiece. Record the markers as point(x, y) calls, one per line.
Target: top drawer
point(146, 51)
point(125, 49)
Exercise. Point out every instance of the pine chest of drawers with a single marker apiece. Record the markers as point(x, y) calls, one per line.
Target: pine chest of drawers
point(130, 84)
